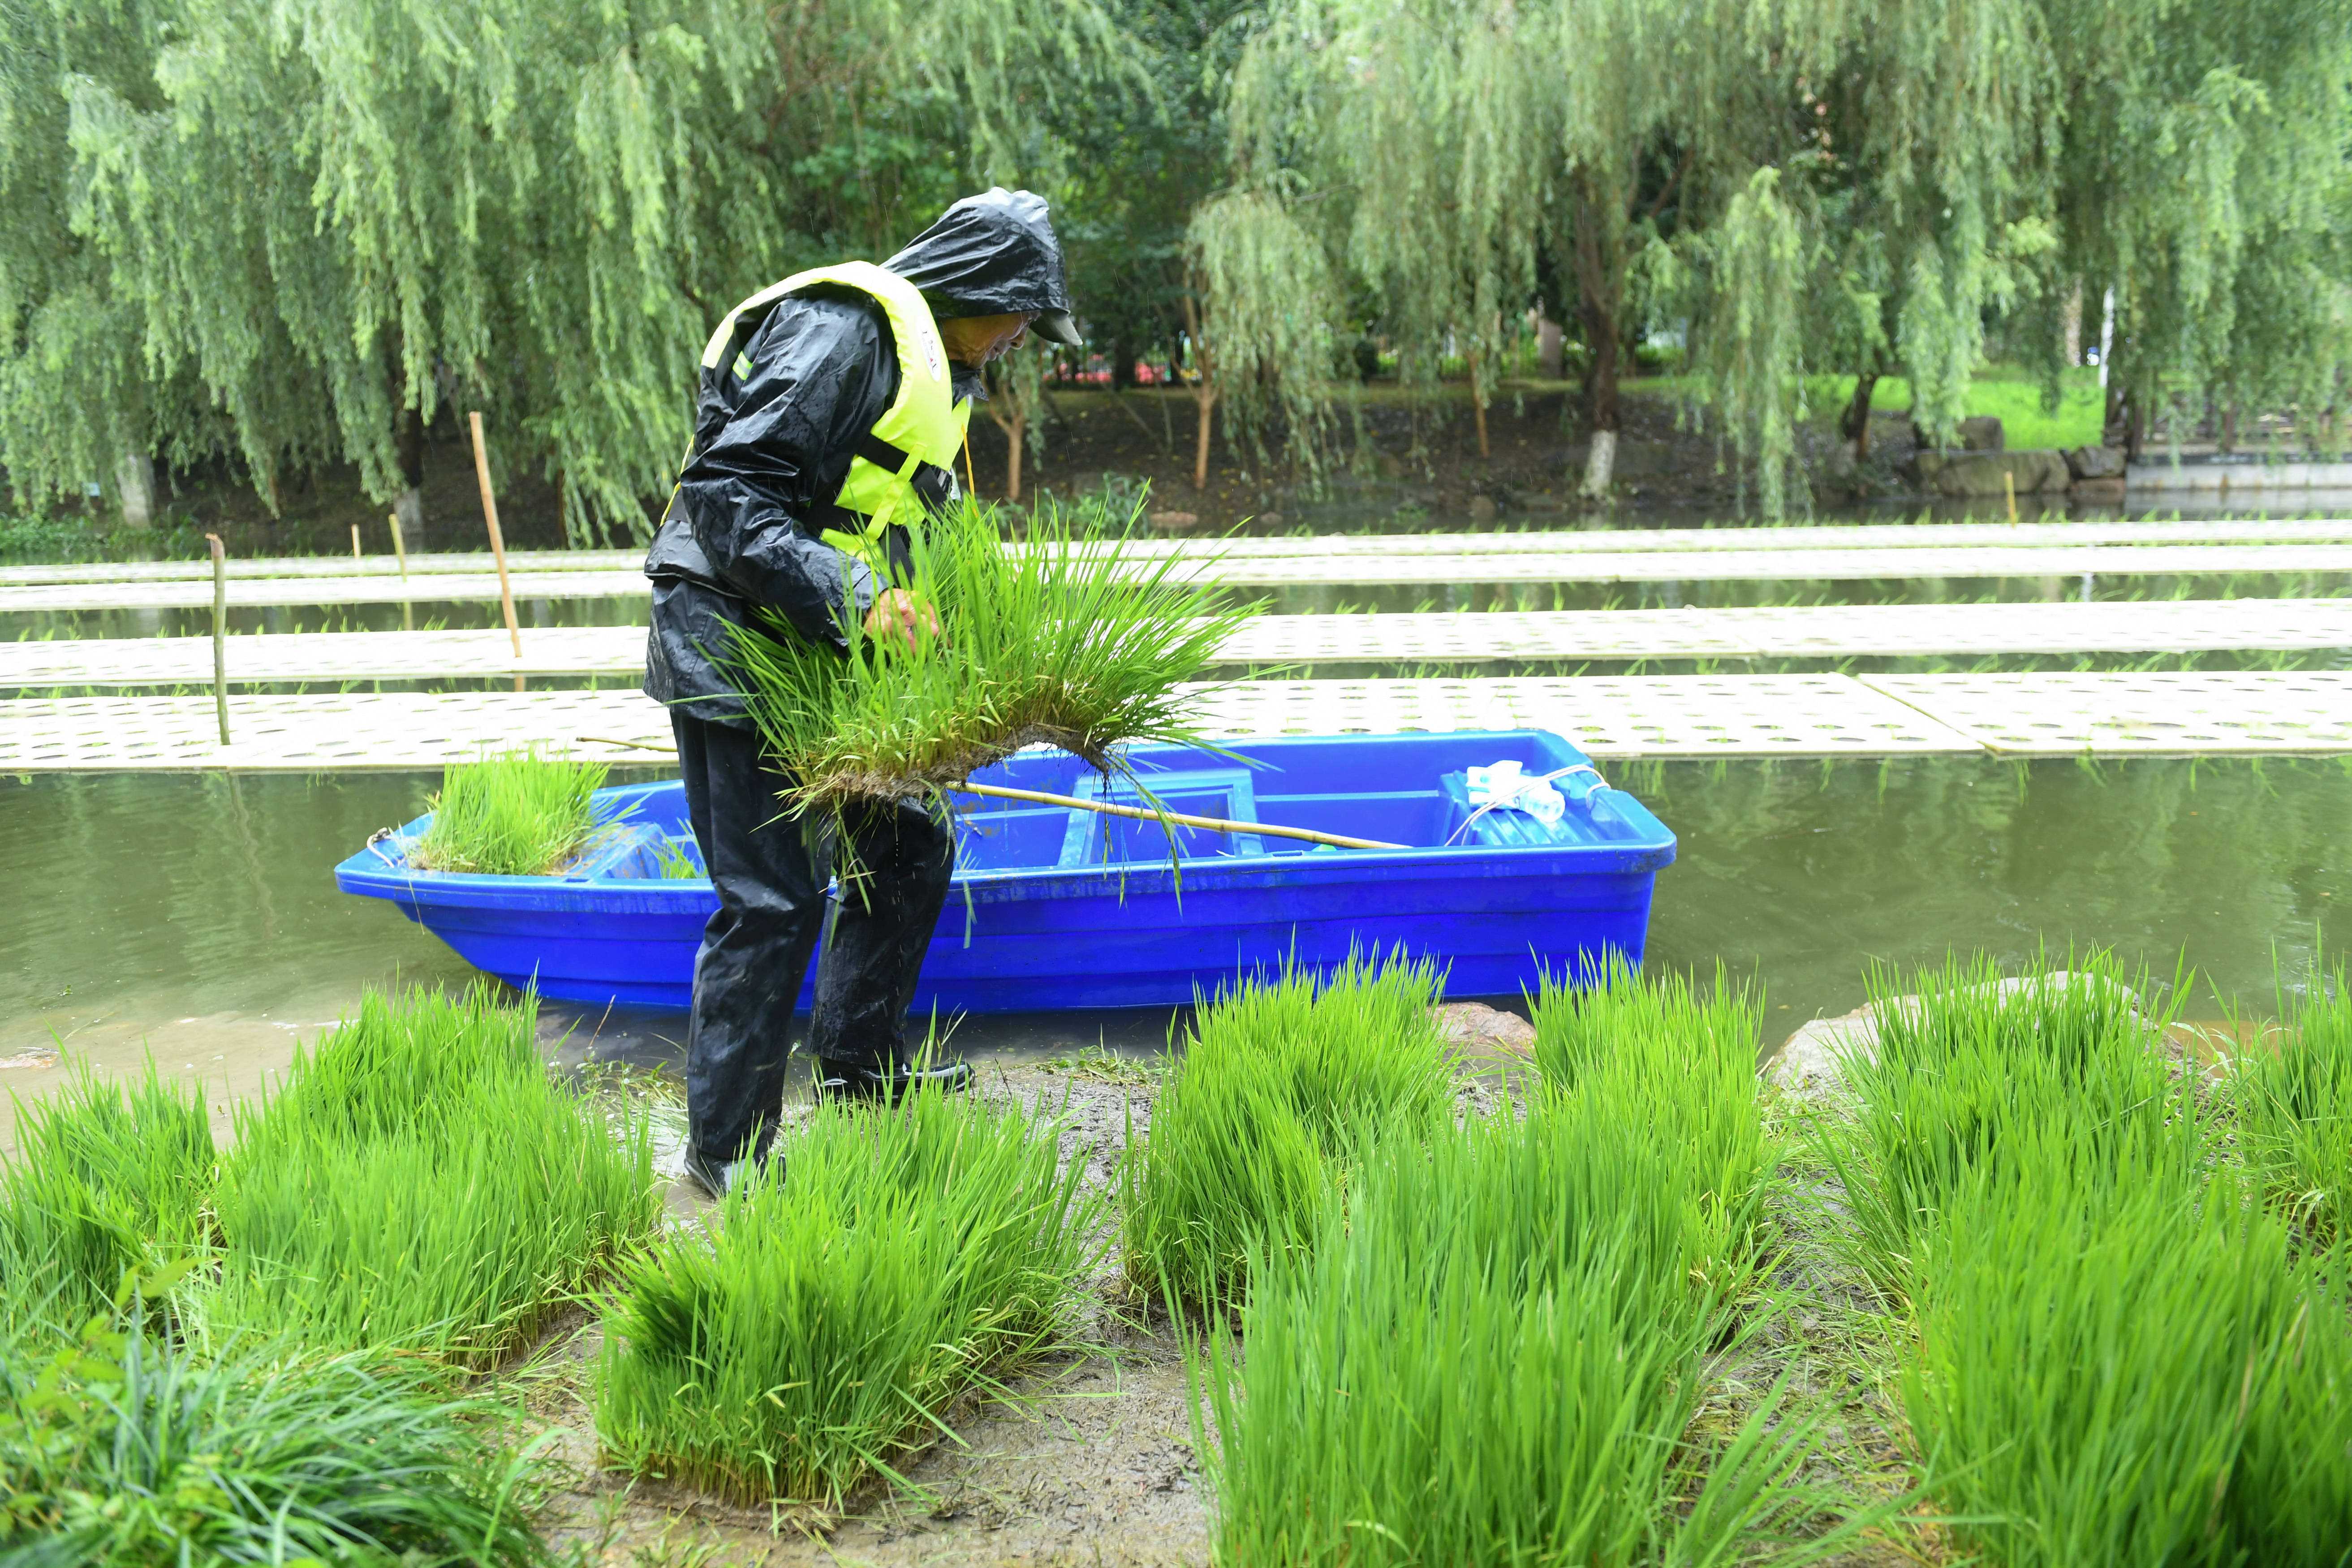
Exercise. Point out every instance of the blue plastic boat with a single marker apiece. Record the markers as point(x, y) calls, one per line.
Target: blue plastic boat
point(1055, 908)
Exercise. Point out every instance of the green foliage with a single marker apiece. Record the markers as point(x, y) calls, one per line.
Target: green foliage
point(1269, 323)
point(1492, 1354)
point(1282, 1080)
point(419, 1181)
point(2129, 1372)
point(139, 1452)
point(888, 1261)
point(1057, 639)
point(2004, 392)
point(110, 1179)
point(511, 813)
point(2295, 1110)
point(1978, 1076)
point(286, 233)
point(1683, 1063)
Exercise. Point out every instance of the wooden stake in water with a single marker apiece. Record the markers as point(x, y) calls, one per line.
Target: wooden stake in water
point(497, 541)
point(355, 542)
point(400, 554)
point(2009, 483)
point(220, 633)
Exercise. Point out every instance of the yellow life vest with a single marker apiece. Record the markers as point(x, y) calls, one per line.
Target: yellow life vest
point(904, 467)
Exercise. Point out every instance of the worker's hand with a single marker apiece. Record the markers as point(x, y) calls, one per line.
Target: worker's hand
point(899, 616)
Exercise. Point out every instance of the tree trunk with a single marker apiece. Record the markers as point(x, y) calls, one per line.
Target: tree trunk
point(1855, 423)
point(1598, 289)
point(1478, 406)
point(134, 490)
point(1016, 433)
point(1204, 391)
point(408, 450)
point(1122, 365)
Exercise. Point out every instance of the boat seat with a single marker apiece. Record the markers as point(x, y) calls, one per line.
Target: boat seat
point(1225, 793)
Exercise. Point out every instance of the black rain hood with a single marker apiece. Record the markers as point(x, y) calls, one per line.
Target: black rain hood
point(990, 255)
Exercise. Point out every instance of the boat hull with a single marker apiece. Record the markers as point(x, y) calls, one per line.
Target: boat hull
point(1136, 931)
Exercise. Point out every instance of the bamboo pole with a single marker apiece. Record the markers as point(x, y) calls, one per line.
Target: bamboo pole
point(497, 541)
point(400, 554)
point(355, 542)
point(220, 633)
point(2009, 484)
point(1039, 798)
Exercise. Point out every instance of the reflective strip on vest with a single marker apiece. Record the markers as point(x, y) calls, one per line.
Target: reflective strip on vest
point(925, 424)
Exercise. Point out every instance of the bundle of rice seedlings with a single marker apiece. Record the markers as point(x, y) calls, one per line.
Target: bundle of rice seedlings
point(2128, 1371)
point(1972, 1062)
point(132, 1449)
point(1683, 1060)
point(109, 1178)
point(420, 1180)
point(1281, 1077)
point(511, 813)
point(1053, 640)
point(1492, 1354)
point(822, 1331)
point(2294, 1111)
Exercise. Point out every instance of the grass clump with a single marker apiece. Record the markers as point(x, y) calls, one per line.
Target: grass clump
point(2129, 1372)
point(1252, 1130)
point(1683, 1061)
point(1055, 640)
point(132, 1449)
point(511, 813)
point(2294, 1111)
point(420, 1181)
point(110, 1179)
point(1968, 1063)
point(1492, 1354)
point(823, 1329)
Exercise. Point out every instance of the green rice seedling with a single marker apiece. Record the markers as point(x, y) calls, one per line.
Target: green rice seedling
point(1491, 1355)
point(1964, 1060)
point(511, 813)
point(1072, 642)
point(421, 1181)
point(1682, 1060)
point(2128, 1371)
point(892, 1261)
point(137, 1452)
point(109, 1178)
point(2294, 1111)
point(1250, 1131)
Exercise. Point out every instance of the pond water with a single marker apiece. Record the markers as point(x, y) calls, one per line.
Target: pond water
point(195, 917)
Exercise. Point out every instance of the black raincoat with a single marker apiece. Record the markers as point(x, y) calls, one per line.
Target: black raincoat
point(740, 535)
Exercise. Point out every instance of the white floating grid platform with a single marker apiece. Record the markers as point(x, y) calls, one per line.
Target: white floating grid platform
point(2234, 714)
point(2170, 713)
point(1565, 540)
point(1824, 631)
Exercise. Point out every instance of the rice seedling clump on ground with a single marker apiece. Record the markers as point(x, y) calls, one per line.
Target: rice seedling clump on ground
point(1968, 1063)
point(134, 1449)
point(1492, 1354)
point(1683, 1061)
point(890, 1261)
point(2295, 1110)
point(1058, 640)
point(108, 1179)
point(421, 1181)
point(1251, 1130)
point(512, 814)
point(2129, 1372)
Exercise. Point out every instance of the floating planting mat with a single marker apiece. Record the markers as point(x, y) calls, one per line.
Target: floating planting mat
point(887, 1262)
point(1280, 1079)
point(1054, 641)
point(420, 1181)
point(110, 1179)
point(511, 813)
point(126, 1448)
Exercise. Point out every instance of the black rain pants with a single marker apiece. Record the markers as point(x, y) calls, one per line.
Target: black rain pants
point(771, 882)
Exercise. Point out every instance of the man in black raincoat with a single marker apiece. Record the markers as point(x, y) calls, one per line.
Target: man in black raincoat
point(772, 443)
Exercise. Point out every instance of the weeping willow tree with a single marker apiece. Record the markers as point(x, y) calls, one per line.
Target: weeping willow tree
point(1261, 310)
point(2203, 189)
point(1457, 147)
point(291, 232)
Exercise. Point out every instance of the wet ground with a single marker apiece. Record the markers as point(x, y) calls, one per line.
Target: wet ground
point(195, 917)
